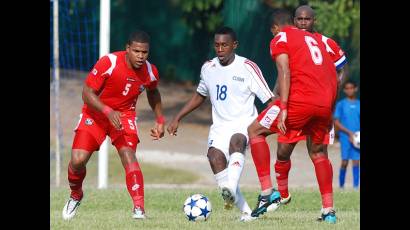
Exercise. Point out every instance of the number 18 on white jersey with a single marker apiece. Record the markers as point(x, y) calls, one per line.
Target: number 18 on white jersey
point(232, 90)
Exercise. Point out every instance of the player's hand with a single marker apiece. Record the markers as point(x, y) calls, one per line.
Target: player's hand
point(157, 132)
point(173, 127)
point(281, 122)
point(114, 117)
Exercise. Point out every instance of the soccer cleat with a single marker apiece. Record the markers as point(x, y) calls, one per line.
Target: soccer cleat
point(138, 213)
point(329, 217)
point(283, 201)
point(286, 200)
point(246, 217)
point(70, 208)
point(265, 201)
point(229, 198)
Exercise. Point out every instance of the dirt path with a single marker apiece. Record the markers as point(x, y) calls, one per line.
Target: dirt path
point(188, 149)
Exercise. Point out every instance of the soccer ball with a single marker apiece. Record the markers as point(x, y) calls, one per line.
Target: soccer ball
point(356, 139)
point(197, 207)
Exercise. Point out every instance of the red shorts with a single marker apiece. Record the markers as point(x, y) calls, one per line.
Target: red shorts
point(294, 136)
point(92, 130)
point(309, 119)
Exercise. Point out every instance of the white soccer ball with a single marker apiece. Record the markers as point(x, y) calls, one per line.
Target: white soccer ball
point(356, 139)
point(197, 207)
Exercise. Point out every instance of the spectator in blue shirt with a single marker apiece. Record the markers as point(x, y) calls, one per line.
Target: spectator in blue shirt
point(347, 121)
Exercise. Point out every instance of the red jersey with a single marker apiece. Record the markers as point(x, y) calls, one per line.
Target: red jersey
point(313, 76)
point(334, 50)
point(117, 85)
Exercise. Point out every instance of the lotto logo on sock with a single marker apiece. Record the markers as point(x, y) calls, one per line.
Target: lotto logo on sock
point(135, 187)
point(236, 163)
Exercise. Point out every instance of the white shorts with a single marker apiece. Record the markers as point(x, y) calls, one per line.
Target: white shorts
point(220, 137)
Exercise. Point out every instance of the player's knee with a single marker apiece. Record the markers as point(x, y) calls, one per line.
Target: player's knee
point(127, 155)
point(344, 164)
point(316, 148)
point(78, 159)
point(237, 143)
point(215, 157)
point(283, 153)
point(252, 131)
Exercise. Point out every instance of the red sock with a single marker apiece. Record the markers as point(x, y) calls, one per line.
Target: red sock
point(282, 171)
point(324, 175)
point(135, 183)
point(75, 180)
point(261, 159)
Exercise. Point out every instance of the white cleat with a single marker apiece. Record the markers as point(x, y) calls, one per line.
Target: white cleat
point(138, 213)
point(246, 217)
point(283, 201)
point(70, 208)
point(286, 200)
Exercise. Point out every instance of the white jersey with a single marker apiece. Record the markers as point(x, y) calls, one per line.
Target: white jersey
point(232, 90)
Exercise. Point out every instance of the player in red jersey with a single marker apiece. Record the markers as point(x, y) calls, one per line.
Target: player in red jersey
point(307, 87)
point(304, 19)
point(110, 93)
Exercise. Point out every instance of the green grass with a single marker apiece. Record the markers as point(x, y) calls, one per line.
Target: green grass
point(111, 209)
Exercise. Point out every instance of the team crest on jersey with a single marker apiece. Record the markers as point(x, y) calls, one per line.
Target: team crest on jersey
point(88, 121)
point(94, 71)
point(142, 88)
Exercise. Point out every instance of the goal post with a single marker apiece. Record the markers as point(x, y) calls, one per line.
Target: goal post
point(56, 73)
point(104, 49)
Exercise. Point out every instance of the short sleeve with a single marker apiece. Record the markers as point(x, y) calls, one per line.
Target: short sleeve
point(202, 88)
point(337, 54)
point(258, 85)
point(279, 45)
point(153, 83)
point(96, 77)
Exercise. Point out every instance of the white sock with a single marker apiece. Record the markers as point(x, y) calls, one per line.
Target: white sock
point(222, 178)
point(241, 202)
point(235, 166)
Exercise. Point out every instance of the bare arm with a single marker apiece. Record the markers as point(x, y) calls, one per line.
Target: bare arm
point(154, 100)
point(196, 100)
point(340, 76)
point(276, 88)
point(91, 99)
point(282, 65)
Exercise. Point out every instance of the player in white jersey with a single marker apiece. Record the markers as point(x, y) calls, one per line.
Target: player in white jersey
point(231, 82)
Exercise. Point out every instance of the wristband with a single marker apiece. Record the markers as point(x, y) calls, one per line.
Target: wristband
point(161, 119)
point(283, 105)
point(106, 110)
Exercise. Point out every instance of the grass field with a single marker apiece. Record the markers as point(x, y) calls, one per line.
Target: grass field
point(111, 209)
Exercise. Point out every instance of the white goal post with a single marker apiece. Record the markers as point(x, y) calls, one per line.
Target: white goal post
point(104, 49)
